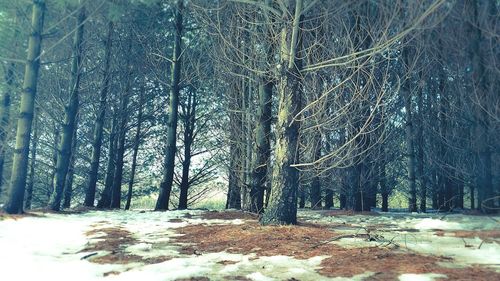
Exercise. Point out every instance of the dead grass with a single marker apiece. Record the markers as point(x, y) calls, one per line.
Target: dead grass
point(308, 240)
point(115, 240)
point(228, 215)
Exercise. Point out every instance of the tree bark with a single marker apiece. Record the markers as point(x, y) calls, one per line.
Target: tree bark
point(105, 200)
point(168, 173)
point(189, 120)
point(484, 184)
point(137, 142)
point(68, 185)
point(412, 204)
point(283, 202)
point(99, 124)
point(116, 189)
point(5, 102)
point(15, 199)
point(70, 118)
point(31, 179)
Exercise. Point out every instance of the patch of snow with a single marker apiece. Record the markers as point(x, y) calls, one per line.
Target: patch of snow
point(420, 277)
point(429, 223)
point(257, 276)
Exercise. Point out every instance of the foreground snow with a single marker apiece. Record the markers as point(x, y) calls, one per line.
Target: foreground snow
point(49, 246)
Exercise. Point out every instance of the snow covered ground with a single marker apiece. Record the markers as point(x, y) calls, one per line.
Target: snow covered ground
point(49, 246)
point(423, 233)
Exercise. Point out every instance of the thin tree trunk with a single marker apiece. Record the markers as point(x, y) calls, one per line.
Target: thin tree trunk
point(234, 187)
point(315, 187)
point(99, 124)
point(70, 120)
point(57, 134)
point(137, 142)
point(31, 179)
point(5, 101)
point(68, 185)
point(116, 190)
point(168, 173)
point(420, 153)
point(189, 124)
point(411, 154)
point(105, 200)
point(20, 163)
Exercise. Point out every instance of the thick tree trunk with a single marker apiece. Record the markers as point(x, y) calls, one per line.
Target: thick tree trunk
point(283, 202)
point(70, 118)
point(20, 163)
point(262, 146)
point(169, 166)
point(137, 142)
point(485, 194)
point(99, 124)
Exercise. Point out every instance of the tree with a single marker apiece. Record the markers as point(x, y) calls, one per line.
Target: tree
point(70, 116)
point(14, 204)
point(168, 173)
point(282, 208)
point(99, 123)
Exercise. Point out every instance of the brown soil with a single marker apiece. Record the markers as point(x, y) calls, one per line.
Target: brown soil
point(309, 240)
point(228, 215)
point(115, 240)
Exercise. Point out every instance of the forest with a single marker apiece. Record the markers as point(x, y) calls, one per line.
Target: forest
point(251, 134)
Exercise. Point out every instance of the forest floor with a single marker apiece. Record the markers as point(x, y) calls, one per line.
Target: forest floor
point(231, 245)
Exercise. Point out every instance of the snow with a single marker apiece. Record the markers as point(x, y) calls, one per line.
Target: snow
point(48, 246)
point(420, 277)
point(417, 232)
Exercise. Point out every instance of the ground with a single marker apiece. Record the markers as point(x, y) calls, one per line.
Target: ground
point(231, 245)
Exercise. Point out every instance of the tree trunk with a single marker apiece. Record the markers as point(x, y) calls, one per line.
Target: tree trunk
point(20, 163)
point(105, 200)
point(5, 101)
point(137, 142)
point(484, 182)
point(116, 189)
point(70, 120)
point(168, 173)
point(412, 204)
point(31, 179)
point(57, 134)
point(262, 132)
point(234, 186)
point(189, 125)
point(420, 154)
point(99, 124)
point(315, 187)
point(283, 202)
point(68, 185)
